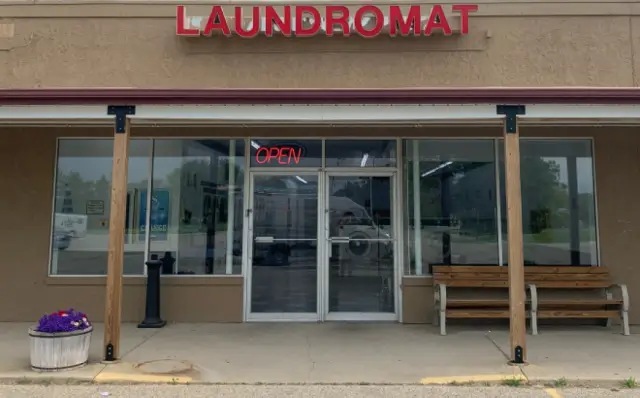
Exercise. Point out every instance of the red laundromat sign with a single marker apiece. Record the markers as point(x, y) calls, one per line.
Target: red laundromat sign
point(331, 20)
point(282, 155)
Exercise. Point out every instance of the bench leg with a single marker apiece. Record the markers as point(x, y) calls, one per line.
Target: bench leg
point(441, 308)
point(624, 311)
point(624, 316)
point(534, 323)
point(436, 306)
point(609, 296)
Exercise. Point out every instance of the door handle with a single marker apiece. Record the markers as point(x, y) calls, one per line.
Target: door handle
point(340, 239)
point(264, 239)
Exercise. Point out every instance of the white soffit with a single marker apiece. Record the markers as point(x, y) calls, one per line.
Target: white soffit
point(329, 114)
point(584, 114)
point(55, 113)
point(314, 114)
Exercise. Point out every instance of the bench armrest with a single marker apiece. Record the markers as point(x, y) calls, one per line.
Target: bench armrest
point(624, 294)
point(440, 294)
point(533, 290)
point(440, 307)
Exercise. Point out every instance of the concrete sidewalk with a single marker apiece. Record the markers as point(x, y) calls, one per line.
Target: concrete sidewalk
point(359, 353)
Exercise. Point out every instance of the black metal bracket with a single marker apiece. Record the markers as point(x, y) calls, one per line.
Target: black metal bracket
point(109, 354)
point(511, 112)
point(518, 357)
point(121, 112)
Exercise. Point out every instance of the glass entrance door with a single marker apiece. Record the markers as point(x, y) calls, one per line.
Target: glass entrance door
point(360, 247)
point(284, 246)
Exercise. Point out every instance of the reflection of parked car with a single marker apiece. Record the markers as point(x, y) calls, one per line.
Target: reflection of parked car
point(74, 224)
point(285, 225)
point(61, 240)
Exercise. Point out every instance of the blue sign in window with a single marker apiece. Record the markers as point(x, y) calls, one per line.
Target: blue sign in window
point(159, 221)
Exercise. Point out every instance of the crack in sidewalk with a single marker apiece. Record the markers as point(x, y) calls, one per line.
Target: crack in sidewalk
point(309, 356)
point(504, 354)
point(135, 347)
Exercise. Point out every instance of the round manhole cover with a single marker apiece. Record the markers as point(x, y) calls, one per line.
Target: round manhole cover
point(165, 366)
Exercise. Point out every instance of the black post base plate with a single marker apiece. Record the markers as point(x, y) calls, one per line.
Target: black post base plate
point(152, 324)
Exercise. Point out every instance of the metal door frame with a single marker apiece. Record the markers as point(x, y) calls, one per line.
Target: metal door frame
point(248, 252)
point(325, 269)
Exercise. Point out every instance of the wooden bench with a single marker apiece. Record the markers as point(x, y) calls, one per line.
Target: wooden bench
point(607, 306)
point(477, 277)
point(536, 277)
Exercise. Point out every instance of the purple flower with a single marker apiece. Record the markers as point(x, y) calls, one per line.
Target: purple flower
point(63, 321)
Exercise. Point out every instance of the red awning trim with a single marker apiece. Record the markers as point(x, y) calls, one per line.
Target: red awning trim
point(132, 96)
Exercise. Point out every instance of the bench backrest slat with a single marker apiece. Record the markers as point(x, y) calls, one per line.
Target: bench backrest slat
point(565, 270)
point(476, 283)
point(541, 276)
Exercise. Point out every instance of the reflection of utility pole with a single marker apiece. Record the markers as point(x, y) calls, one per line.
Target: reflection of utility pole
point(445, 202)
point(211, 219)
point(219, 182)
point(574, 209)
point(231, 207)
point(67, 200)
point(417, 206)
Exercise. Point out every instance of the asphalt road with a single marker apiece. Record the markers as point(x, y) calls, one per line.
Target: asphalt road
point(161, 391)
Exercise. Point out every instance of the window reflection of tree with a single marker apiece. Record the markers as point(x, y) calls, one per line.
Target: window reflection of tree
point(459, 200)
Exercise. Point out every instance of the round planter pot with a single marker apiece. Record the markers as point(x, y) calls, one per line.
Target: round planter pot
point(53, 352)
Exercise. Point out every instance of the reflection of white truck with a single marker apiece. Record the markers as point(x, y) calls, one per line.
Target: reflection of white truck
point(73, 224)
point(282, 222)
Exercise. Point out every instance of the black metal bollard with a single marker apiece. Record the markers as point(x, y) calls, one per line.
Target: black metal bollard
point(152, 318)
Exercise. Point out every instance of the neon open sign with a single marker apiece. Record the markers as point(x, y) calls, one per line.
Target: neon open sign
point(283, 155)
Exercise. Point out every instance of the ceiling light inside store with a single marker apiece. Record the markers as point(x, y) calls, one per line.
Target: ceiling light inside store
point(363, 162)
point(442, 166)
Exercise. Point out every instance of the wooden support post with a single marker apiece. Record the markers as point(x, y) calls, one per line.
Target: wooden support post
point(513, 192)
point(113, 298)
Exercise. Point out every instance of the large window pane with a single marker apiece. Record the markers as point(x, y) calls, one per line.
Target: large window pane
point(284, 272)
point(80, 236)
point(196, 207)
point(360, 153)
point(558, 202)
point(450, 208)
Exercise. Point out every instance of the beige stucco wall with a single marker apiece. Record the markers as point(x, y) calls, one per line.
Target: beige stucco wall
point(513, 43)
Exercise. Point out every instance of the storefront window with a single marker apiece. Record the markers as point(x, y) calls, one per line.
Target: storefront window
point(558, 202)
point(450, 204)
point(360, 153)
point(196, 214)
point(80, 233)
